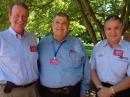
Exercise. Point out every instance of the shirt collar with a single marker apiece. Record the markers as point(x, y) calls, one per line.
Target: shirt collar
point(120, 44)
point(53, 40)
point(15, 34)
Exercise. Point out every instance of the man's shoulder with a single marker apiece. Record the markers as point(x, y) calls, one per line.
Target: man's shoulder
point(73, 38)
point(125, 43)
point(45, 39)
point(3, 32)
point(75, 42)
point(101, 44)
point(28, 33)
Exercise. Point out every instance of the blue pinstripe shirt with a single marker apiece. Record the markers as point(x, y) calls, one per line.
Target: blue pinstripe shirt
point(18, 63)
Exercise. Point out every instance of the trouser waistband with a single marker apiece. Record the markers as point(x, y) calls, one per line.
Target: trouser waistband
point(10, 84)
point(65, 89)
point(8, 87)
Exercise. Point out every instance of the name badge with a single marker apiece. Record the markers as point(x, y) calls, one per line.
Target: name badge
point(54, 61)
point(33, 48)
point(118, 53)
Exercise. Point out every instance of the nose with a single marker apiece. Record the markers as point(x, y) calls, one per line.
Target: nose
point(113, 31)
point(22, 18)
point(60, 25)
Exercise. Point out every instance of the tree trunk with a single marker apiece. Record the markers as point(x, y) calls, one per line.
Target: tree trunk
point(125, 16)
point(87, 22)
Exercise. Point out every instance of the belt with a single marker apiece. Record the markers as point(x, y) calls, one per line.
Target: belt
point(18, 86)
point(65, 89)
point(24, 86)
point(106, 84)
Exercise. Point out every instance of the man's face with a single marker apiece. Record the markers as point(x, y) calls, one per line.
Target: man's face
point(18, 18)
point(60, 27)
point(113, 30)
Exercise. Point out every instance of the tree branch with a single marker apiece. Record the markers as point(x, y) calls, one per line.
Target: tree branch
point(91, 13)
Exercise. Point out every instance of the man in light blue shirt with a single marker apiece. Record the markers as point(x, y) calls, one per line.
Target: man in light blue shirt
point(63, 62)
point(110, 62)
point(18, 56)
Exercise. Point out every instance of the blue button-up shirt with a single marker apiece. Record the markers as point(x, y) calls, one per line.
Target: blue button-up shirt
point(112, 64)
point(72, 61)
point(18, 58)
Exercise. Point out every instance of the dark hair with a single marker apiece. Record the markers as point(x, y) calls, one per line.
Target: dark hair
point(18, 4)
point(114, 17)
point(62, 14)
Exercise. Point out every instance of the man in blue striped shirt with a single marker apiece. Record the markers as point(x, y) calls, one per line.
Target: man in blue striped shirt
point(18, 56)
point(63, 61)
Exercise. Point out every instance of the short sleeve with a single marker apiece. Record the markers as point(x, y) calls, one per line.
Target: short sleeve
point(93, 59)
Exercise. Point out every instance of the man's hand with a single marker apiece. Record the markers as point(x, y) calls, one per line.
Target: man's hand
point(104, 92)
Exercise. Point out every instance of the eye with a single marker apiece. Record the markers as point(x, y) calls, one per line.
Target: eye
point(16, 16)
point(24, 17)
point(64, 23)
point(57, 22)
point(108, 29)
point(117, 28)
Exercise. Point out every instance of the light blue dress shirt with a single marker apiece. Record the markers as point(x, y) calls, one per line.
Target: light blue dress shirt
point(18, 63)
point(111, 68)
point(72, 64)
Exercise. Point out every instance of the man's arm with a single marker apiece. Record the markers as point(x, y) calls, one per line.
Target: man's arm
point(85, 84)
point(108, 92)
point(95, 79)
point(124, 84)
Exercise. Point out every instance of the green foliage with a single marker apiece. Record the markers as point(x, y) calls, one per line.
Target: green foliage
point(41, 17)
point(42, 12)
point(105, 8)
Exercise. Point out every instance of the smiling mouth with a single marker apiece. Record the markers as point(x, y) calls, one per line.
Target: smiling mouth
point(60, 30)
point(20, 23)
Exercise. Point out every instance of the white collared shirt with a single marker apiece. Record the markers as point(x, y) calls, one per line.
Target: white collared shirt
point(18, 58)
point(111, 68)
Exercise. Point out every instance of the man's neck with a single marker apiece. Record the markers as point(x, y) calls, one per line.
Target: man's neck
point(113, 45)
point(59, 39)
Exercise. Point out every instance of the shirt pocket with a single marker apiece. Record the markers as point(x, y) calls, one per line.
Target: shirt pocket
point(33, 56)
point(121, 65)
point(32, 52)
point(75, 58)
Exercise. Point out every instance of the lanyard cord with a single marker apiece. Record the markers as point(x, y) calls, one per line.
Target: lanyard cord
point(56, 50)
